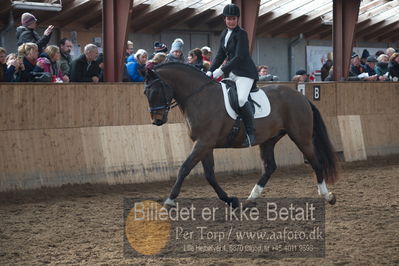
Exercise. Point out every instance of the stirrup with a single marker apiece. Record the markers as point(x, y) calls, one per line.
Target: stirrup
point(249, 141)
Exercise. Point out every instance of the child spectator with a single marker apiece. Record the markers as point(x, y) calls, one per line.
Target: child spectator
point(136, 65)
point(206, 56)
point(195, 59)
point(159, 47)
point(158, 58)
point(176, 52)
point(26, 32)
point(49, 62)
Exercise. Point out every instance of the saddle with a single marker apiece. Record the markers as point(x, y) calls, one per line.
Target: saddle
point(233, 96)
point(233, 99)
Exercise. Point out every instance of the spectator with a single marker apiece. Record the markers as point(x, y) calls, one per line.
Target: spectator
point(6, 74)
point(378, 53)
point(382, 65)
point(357, 70)
point(299, 78)
point(48, 62)
point(363, 59)
point(14, 66)
point(136, 65)
point(370, 65)
point(28, 53)
point(176, 52)
point(206, 56)
point(85, 68)
point(390, 51)
point(26, 32)
point(159, 47)
point(325, 69)
point(393, 67)
point(100, 63)
point(158, 58)
point(129, 50)
point(66, 58)
point(302, 72)
point(263, 72)
point(194, 58)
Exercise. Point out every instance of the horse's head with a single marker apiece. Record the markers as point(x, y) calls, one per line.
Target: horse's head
point(159, 96)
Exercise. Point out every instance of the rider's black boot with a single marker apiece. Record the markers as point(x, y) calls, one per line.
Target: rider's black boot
point(248, 119)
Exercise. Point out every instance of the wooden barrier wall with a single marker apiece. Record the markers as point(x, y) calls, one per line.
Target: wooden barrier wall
point(52, 135)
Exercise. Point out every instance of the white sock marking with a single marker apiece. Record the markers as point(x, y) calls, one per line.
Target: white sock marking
point(256, 192)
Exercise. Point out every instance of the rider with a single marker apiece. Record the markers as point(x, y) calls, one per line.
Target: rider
point(239, 66)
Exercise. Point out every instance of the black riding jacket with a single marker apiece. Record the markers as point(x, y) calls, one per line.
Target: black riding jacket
point(239, 60)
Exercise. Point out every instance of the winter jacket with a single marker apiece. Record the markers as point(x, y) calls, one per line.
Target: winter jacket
point(65, 64)
point(133, 68)
point(381, 68)
point(83, 71)
point(26, 74)
point(25, 35)
point(172, 58)
point(393, 69)
point(46, 65)
point(239, 60)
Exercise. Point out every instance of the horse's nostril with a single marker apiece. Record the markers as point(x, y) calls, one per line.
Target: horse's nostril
point(157, 122)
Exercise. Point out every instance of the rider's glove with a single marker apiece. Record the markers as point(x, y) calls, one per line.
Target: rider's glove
point(209, 74)
point(217, 73)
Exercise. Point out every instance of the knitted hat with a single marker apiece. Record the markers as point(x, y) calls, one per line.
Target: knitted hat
point(160, 47)
point(27, 19)
point(177, 45)
point(354, 55)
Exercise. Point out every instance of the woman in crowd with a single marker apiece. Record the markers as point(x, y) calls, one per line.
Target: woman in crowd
point(29, 53)
point(393, 67)
point(49, 62)
point(382, 66)
point(195, 59)
point(136, 65)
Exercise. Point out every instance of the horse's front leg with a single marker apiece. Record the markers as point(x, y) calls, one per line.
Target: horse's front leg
point(197, 154)
point(209, 164)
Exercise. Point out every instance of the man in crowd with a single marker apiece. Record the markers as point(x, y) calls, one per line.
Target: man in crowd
point(66, 59)
point(85, 68)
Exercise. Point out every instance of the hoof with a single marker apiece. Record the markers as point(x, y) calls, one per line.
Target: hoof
point(332, 199)
point(169, 204)
point(249, 204)
point(234, 202)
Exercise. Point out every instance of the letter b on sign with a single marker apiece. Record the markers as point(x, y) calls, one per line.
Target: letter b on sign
point(316, 93)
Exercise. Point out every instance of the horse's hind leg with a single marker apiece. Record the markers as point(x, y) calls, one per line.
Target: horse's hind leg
point(308, 151)
point(269, 162)
point(208, 164)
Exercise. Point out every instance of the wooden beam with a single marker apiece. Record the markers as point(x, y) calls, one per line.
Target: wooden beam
point(69, 10)
point(81, 14)
point(283, 28)
point(388, 34)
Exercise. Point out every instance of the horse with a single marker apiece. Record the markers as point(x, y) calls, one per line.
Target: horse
point(201, 102)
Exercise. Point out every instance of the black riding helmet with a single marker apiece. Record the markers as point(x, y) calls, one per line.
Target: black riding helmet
point(231, 10)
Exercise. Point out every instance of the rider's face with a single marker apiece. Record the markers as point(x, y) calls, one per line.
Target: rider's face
point(231, 22)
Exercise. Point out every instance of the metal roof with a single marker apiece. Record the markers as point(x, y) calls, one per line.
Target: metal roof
point(378, 19)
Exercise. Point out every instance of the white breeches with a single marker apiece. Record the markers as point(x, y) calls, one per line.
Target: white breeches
point(244, 86)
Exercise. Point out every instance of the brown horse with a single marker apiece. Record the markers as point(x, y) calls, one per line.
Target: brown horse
point(201, 101)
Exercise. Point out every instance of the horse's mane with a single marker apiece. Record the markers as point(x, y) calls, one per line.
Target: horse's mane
point(183, 65)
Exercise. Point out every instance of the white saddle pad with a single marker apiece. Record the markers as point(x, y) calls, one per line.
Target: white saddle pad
point(259, 97)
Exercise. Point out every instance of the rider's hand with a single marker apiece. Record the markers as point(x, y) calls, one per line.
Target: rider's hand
point(217, 73)
point(209, 74)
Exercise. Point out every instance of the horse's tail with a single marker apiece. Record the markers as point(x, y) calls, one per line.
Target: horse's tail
point(324, 149)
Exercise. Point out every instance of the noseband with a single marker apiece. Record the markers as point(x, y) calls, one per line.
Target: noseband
point(168, 104)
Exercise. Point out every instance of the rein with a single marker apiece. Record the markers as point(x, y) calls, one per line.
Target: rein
point(171, 105)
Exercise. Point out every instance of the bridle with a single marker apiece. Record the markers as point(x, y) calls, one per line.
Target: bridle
point(169, 104)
